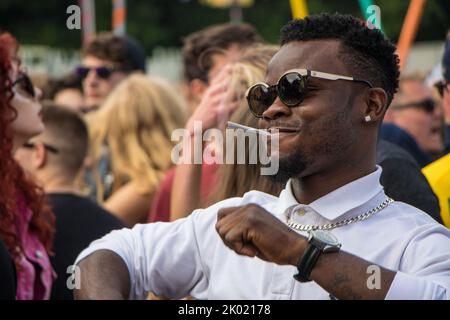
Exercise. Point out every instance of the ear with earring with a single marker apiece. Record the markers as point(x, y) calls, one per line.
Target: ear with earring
point(367, 118)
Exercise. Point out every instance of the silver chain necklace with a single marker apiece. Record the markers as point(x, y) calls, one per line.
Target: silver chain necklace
point(329, 226)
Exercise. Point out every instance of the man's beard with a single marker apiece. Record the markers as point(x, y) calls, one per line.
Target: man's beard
point(332, 149)
point(289, 166)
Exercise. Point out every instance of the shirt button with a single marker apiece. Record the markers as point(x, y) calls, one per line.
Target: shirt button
point(39, 254)
point(301, 212)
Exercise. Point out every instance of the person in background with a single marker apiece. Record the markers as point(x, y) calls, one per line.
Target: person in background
point(204, 54)
point(26, 222)
point(7, 269)
point(55, 159)
point(415, 111)
point(438, 175)
point(237, 179)
point(438, 172)
point(66, 91)
point(7, 274)
point(404, 181)
point(224, 96)
point(206, 51)
point(443, 88)
point(395, 135)
point(106, 60)
point(131, 144)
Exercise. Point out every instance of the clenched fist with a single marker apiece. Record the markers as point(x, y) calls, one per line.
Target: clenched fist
point(252, 231)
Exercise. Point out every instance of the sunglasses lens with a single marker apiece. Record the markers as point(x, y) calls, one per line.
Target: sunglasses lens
point(104, 72)
point(25, 85)
point(28, 86)
point(260, 98)
point(429, 105)
point(441, 87)
point(82, 72)
point(291, 89)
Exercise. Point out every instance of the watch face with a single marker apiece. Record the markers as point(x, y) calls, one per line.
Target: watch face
point(325, 237)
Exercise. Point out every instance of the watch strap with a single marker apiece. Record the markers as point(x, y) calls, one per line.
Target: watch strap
point(307, 262)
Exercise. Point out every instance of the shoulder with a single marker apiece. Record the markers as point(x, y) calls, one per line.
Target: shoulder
point(404, 219)
point(83, 210)
point(403, 210)
point(389, 151)
point(400, 168)
point(402, 225)
point(422, 240)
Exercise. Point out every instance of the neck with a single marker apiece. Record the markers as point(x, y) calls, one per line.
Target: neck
point(310, 188)
point(59, 183)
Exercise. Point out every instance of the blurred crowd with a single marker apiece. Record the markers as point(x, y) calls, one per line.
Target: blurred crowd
point(90, 152)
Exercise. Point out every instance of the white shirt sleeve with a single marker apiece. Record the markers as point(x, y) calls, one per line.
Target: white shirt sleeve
point(425, 267)
point(162, 258)
point(408, 287)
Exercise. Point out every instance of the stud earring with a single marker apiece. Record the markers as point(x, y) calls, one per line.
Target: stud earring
point(368, 118)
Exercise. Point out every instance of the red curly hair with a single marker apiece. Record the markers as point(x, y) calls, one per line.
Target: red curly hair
point(13, 181)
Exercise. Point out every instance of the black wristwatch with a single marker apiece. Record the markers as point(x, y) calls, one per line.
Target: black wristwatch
point(319, 241)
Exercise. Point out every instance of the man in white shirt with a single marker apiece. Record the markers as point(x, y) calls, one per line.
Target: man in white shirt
point(332, 228)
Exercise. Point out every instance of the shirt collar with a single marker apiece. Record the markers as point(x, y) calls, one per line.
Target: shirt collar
point(341, 200)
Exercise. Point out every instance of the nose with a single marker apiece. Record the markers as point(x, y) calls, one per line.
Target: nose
point(91, 76)
point(277, 110)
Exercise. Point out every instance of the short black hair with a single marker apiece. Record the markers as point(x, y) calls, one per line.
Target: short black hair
point(366, 52)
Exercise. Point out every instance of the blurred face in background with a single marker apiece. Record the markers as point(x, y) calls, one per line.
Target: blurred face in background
point(71, 98)
point(99, 78)
point(28, 122)
point(217, 60)
point(446, 102)
point(417, 112)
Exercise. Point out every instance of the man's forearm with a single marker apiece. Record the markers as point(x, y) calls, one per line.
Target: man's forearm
point(348, 277)
point(104, 276)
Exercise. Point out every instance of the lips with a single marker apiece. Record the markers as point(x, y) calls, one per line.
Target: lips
point(436, 129)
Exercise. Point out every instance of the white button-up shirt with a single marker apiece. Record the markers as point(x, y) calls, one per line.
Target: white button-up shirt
point(187, 257)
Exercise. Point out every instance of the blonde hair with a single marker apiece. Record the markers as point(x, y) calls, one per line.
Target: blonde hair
point(135, 123)
point(237, 179)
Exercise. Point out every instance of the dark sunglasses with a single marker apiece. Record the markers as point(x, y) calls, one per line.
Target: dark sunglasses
point(30, 145)
point(427, 104)
point(25, 84)
point(291, 89)
point(102, 72)
point(441, 86)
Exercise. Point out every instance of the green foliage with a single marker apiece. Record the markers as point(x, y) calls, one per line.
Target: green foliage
point(166, 22)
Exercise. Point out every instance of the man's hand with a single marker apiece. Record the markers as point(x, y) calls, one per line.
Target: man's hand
point(252, 231)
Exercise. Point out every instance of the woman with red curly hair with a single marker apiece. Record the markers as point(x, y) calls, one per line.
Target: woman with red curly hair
point(26, 223)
